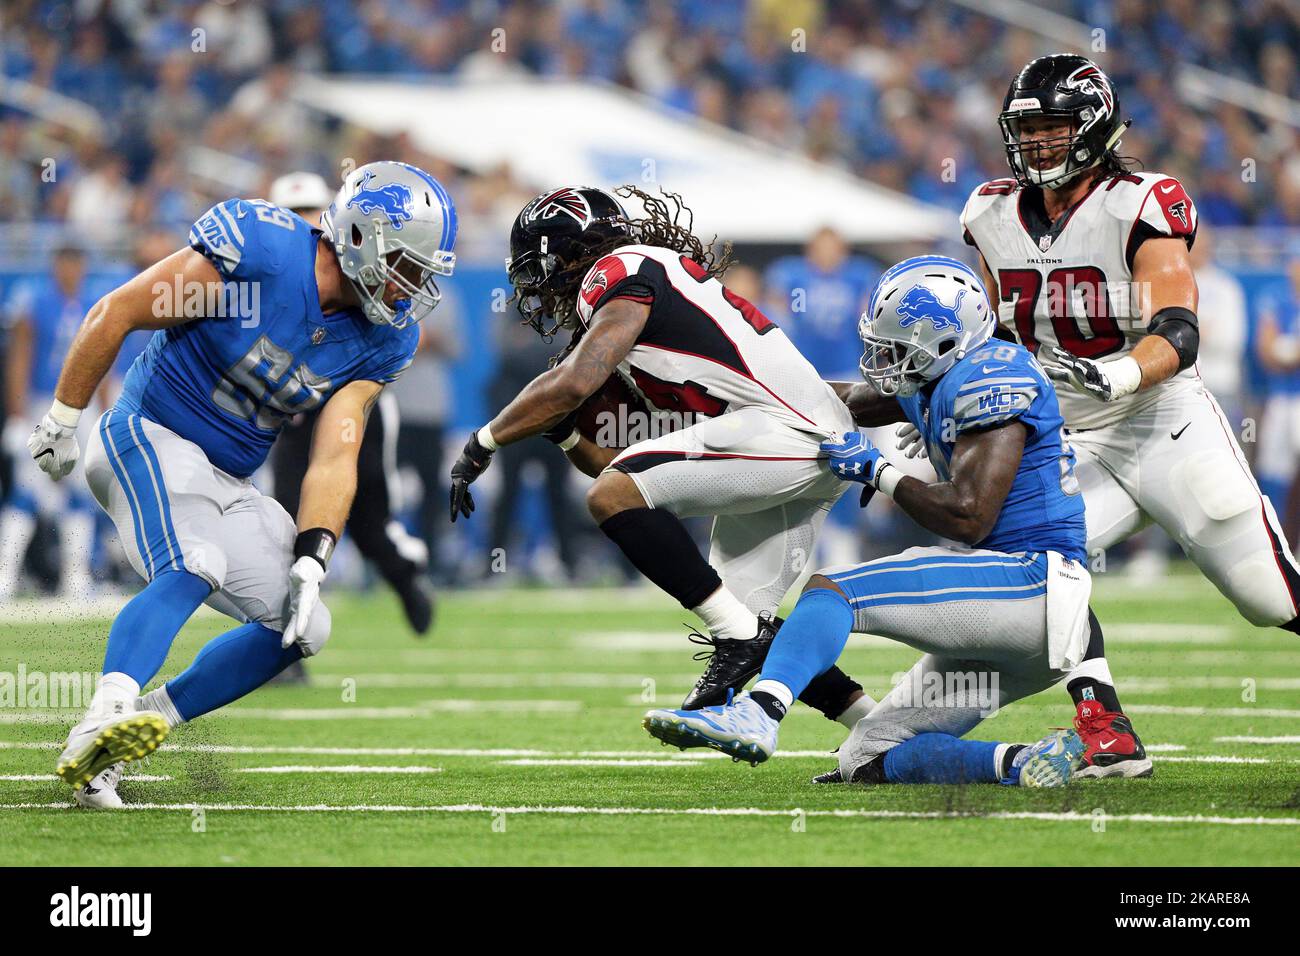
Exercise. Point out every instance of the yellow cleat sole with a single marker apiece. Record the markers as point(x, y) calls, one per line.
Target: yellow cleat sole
point(130, 738)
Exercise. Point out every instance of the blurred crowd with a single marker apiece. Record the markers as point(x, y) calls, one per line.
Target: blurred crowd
point(122, 120)
point(900, 91)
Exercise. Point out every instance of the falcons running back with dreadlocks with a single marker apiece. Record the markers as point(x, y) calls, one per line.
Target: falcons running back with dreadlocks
point(644, 301)
point(1088, 264)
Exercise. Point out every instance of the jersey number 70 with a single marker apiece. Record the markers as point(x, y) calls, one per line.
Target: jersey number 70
point(1084, 284)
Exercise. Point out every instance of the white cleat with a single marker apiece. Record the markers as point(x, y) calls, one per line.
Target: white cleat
point(739, 729)
point(101, 792)
point(1050, 762)
point(96, 745)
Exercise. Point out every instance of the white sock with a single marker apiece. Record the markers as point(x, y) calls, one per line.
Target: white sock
point(726, 617)
point(113, 688)
point(777, 690)
point(158, 699)
point(1096, 669)
point(856, 711)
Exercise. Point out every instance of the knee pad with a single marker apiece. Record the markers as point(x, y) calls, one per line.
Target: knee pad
point(870, 739)
point(1213, 492)
point(1259, 591)
point(318, 631)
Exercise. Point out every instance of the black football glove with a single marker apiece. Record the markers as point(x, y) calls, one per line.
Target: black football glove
point(473, 461)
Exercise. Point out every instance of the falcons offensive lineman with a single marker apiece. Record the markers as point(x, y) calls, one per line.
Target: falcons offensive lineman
point(1063, 245)
point(644, 301)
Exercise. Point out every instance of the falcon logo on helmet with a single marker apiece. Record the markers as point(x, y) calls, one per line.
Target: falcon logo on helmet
point(1089, 79)
point(566, 200)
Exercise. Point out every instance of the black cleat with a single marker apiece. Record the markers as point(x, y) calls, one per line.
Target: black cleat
point(418, 603)
point(731, 663)
point(830, 776)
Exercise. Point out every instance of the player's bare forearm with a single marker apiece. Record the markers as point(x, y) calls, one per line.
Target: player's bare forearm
point(589, 458)
point(966, 507)
point(1162, 272)
point(148, 301)
point(555, 393)
point(330, 483)
point(867, 406)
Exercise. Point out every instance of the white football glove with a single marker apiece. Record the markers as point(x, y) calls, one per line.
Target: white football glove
point(305, 578)
point(54, 447)
point(910, 441)
point(1105, 381)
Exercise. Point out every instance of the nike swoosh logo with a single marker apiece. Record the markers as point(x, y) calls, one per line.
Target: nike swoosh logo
point(1179, 434)
point(39, 455)
point(1168, 189)
point(1108, 744)
point(992, 368)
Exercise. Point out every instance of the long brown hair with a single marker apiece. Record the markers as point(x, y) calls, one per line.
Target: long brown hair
point(668, 223)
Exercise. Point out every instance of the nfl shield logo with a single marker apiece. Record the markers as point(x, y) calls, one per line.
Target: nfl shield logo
point(1044, 243)
point(318, 336)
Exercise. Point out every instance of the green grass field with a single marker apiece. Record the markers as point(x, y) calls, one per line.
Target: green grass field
point(513, 737)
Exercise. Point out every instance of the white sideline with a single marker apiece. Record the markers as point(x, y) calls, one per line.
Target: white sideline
point(1290, 739)
point(1058, 817)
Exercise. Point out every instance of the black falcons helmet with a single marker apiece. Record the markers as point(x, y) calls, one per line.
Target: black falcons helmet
point(550, 243)
point(1071, 88)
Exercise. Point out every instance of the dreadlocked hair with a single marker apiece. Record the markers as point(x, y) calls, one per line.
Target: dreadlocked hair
point(662, 226)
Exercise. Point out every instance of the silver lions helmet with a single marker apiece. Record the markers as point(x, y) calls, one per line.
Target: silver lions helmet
point(925, 314)
point(393, 224)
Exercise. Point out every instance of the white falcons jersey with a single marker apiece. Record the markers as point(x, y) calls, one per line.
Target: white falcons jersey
point(1069, 283)
point(704, 350)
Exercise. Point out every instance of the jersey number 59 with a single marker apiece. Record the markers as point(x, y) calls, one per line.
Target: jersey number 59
point(248, 388)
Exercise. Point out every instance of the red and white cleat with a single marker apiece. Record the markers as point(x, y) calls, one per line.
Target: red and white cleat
point(1113, 748)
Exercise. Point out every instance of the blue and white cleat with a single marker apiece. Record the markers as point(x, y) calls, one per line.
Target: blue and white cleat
point(739, 729)
point(1050, 762)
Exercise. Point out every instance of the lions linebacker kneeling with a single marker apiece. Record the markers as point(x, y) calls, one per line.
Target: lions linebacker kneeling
point(999, 620)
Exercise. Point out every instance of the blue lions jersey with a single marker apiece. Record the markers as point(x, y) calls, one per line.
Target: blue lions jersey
point(260, 350)
point(994, 385)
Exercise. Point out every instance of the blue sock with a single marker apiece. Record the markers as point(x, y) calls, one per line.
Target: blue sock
point(228, 667)
point(144, 629)
point(941, 758)
point(810, 641)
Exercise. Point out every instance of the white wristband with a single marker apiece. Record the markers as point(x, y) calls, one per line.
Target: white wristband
point(486, 440)
point(1125, 376)
point(887, 478)
point(571, 441)
point(65, 415)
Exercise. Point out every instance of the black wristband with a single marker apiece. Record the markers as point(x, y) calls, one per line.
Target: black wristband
point(1181, 329)
point(315, 543)
point(561, 430)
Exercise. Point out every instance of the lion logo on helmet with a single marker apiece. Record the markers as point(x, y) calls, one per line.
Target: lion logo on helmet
point(392, 199)
point(919, 303)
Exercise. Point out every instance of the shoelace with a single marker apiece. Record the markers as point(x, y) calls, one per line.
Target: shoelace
point(713, 656)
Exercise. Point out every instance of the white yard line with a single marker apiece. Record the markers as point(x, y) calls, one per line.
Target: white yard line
point(1058, 817)
point(1213, 711)
point(591, 762)
point(1286, 739)
point(339, 768)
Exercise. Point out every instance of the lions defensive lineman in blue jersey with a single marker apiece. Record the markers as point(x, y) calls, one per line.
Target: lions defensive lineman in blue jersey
point(260, 317)
point(1001, 619)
